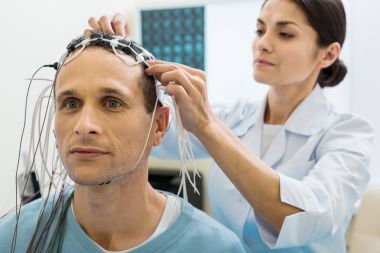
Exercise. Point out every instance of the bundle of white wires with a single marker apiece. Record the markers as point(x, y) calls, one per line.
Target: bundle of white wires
point(42, 155)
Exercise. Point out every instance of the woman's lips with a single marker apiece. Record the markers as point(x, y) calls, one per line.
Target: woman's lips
point(263, 63)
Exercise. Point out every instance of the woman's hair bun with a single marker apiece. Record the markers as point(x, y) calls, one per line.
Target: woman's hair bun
point(332, 75)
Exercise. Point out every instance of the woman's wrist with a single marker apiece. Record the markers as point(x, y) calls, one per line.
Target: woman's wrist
point(203, 131)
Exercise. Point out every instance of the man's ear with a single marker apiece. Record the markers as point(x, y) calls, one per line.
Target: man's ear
point(162, 122)
point(331, 54)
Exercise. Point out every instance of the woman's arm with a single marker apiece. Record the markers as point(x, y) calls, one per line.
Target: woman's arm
point(240, 165)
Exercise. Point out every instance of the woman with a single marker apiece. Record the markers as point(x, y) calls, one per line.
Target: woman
point(289, 171)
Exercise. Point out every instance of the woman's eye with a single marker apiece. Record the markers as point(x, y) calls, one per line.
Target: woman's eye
point(286, 35)
point(71, 104)
point(112, 103)
point(259, 32)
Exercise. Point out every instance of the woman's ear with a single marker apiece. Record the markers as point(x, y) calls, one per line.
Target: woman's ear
point(331, 54)
point(162, 122)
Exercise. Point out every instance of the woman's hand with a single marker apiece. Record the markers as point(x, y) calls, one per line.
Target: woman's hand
point(188, 86)
point(116, 24)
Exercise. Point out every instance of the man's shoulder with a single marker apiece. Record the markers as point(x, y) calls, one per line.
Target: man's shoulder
point(208, 233)
point(27, 220)
point(205, 223)
point(26, 214)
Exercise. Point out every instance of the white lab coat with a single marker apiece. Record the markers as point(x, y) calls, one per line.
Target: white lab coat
point(322, 158)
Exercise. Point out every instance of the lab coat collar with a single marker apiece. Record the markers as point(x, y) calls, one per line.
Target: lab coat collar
point(309, 118)
point(311, 115)
point(314, 105)
point(245, 117)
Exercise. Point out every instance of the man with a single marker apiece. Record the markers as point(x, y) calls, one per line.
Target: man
point(106, 122)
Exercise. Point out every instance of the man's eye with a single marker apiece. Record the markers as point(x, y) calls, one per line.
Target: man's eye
point(112, 103)
point(71, 104)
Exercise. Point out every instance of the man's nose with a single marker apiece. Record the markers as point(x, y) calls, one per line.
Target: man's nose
point(88, 122)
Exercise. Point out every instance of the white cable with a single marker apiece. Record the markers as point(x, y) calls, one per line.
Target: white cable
point(37, 111)
point(42, 170)
point(185, 154)
point(185, 151)
point(39, 79)
point(124, 58)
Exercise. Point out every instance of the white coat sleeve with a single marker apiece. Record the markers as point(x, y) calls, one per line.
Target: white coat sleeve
point(168, 149)
point(233, 116)
point(331, 189)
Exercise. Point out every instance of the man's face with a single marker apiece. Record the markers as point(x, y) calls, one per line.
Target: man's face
point(101, 122)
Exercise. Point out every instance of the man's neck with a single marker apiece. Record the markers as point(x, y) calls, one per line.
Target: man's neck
point(119, 215)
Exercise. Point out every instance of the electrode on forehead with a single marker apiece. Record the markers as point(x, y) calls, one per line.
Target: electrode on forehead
point(129, 47)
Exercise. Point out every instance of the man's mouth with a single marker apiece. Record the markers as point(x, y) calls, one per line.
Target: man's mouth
point(87, 152)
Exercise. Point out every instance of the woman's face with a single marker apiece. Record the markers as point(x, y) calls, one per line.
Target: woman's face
point(285, 48)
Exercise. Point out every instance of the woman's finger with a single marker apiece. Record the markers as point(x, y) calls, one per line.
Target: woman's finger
point(87, 33)
point(94, 24)
point(198, 77)
point(119, 25)
point(105, 24)
point(191, 70)
point(166, 72)
point(180, 78)
point(160, 67)
point(177, 91)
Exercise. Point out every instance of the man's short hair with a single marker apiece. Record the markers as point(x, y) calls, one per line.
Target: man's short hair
point(146, 83)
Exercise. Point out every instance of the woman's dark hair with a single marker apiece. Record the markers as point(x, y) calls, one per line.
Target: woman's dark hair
point(328, 19)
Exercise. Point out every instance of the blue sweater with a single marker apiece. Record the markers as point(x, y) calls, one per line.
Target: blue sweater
point(193, 231)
